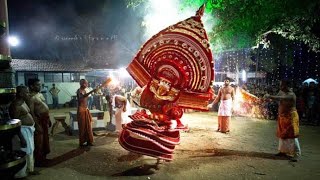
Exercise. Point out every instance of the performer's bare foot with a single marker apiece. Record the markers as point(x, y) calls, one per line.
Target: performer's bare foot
point(183, 127)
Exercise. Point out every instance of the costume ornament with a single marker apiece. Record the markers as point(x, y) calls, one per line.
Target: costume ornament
point(174, 70)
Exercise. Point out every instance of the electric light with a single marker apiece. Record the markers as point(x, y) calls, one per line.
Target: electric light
point(13, 41)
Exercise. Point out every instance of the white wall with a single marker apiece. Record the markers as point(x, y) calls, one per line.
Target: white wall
point(67, 90)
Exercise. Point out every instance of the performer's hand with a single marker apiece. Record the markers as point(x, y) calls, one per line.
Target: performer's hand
point(210, 105)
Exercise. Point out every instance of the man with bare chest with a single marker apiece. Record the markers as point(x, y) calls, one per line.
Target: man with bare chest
point(19, 110)
point(84, 117)
point(226, 97)
point(40, 113)
point(287, 122)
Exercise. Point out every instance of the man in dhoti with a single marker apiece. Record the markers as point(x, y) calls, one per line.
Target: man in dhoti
point(40, 113)
point(84, 117)
point(19, 110)
point(121, 116)
point(226, 97)
point(288, 122)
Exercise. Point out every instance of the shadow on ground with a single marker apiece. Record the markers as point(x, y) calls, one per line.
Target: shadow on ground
point(146, 169)
point(227, 152)
point(66, 156)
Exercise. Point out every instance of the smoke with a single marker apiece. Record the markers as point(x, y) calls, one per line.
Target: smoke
point(104, 32)
point(161, 14)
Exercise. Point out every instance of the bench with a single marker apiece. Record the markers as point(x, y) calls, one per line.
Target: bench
point(60, 118)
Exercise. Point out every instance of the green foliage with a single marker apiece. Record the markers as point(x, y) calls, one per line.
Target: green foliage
point(244, 23)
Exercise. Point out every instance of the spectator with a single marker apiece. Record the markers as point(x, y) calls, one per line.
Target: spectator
point(40, 113)
point(54, 91)
point(19, 110)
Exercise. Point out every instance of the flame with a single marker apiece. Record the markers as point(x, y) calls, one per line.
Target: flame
point(238, 100)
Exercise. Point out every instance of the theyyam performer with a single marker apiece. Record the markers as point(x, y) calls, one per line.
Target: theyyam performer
point(174, 70)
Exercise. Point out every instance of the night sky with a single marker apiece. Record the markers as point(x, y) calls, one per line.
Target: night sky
point(54, 29)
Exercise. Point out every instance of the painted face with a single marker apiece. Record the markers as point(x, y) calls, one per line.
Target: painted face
point(163, 88)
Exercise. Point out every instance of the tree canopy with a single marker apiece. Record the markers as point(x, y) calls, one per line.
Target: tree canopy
point(246, 23)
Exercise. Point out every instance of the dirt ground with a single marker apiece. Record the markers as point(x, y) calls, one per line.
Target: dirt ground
point(246, 153)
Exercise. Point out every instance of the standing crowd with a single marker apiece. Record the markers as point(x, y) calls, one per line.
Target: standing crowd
point(287, 115)
point(30, 107)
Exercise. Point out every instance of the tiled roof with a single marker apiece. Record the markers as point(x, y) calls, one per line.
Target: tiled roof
point(47, 66)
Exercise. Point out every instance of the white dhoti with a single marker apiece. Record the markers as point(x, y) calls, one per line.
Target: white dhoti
point(28, 134)
point(225, 108)
point(122, 117)
point(289, 146)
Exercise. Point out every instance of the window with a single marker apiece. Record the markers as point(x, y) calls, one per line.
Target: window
point(28, 76)
point(75, 77)
point(57, 77)
point(52, 77)
point(66, 77)
point(61, 77)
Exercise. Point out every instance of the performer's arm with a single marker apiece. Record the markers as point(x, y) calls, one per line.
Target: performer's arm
point(87, 94)
point(105, 84)
point(217, 99)
point(280, 96)
point(283, 97)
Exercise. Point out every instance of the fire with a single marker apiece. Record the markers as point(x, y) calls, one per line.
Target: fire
point(243, 102)
point(107, 82)
point(238, 101)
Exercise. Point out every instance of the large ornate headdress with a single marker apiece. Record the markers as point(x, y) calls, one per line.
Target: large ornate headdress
point(180, 54)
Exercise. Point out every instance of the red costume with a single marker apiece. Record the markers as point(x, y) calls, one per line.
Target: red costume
point(175, 70)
